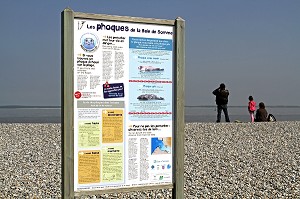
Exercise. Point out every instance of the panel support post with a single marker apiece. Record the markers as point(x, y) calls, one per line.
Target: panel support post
point(178, 190)
point(67, 137)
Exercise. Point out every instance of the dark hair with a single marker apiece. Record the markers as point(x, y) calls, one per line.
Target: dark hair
point(261, 105)
point(250, 98)
point(222, 86)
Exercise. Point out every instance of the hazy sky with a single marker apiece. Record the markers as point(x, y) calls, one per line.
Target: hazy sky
point(252, 46)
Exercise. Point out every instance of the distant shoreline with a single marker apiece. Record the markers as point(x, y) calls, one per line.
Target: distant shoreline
point(21, 106)
point(188, 106)
point(272, 106)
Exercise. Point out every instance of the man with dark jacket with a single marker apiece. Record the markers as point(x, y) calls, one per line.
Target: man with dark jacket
point(222, 100)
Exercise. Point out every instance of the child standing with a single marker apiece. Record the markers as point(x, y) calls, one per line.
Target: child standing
point(251, 107)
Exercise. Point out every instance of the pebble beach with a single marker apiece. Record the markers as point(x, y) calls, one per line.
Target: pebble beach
point(222, 160)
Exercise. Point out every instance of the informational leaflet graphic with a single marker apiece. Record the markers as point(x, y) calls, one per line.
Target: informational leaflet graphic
point(112, 126)
point(113, 164)
point(113, 90)
point(88, 134)
point(150, 74)
point(123, 104)
point(88, 167)
point(150, 101)
point(161, 145)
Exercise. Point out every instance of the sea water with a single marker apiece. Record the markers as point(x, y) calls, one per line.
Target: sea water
point(209, 113)
point(30, 115)
point(192, 114)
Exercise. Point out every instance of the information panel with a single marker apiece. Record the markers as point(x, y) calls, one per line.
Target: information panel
point(123, 104)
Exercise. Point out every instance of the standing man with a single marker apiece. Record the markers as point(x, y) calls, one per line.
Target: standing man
point(222, 100)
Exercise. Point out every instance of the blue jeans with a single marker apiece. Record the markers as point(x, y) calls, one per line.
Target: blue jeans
point(224, 108)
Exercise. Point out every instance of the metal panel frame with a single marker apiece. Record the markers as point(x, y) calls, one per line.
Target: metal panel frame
point(67, 102)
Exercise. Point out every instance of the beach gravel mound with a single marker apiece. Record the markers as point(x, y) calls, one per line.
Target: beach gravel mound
point(224, 160)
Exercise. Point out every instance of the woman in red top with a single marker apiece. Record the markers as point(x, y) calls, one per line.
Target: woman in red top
point(251, 107)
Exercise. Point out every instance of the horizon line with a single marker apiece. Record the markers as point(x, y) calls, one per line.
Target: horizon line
point(238, 106)
point(186, 106)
